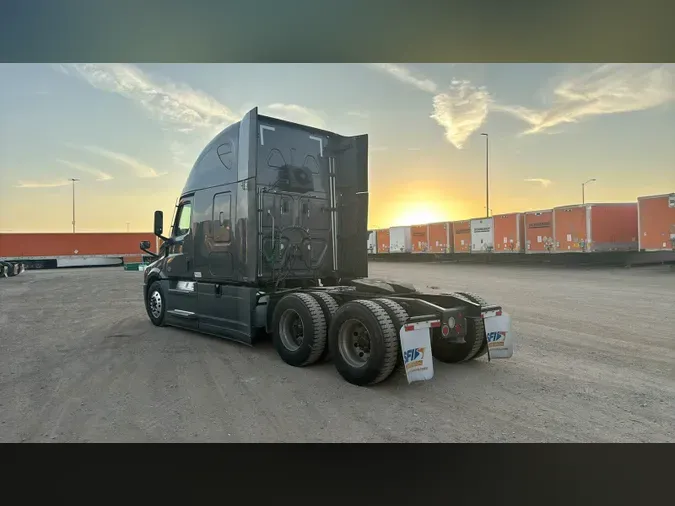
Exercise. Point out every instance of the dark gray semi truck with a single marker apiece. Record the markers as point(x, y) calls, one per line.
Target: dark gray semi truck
point(269, 237)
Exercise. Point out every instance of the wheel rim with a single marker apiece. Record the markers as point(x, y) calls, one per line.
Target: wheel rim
point(354, 343)
point(291, 330)
point(155, 304)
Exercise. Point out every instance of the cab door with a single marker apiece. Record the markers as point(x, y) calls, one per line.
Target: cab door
point(182, 295)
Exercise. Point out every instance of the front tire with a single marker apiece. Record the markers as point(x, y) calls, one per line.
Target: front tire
point(156, 304)
point(363, 342)
point(299, 329)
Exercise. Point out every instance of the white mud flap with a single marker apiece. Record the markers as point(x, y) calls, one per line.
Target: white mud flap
point(416, 350)
point(499, 335)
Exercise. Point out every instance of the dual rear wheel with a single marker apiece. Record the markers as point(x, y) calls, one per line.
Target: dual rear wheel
point(361, 336)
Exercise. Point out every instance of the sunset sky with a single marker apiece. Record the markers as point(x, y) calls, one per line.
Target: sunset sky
point(131, 132)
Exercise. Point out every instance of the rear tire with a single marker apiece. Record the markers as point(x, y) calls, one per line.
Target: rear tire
point(453, 353)
point(363, 342)
point(299, 329)
point(329, 306)
point(478, 300)
point(398, 316)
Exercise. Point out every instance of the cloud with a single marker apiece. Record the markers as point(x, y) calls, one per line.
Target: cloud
point(404, 75)
point(358, 114)
point(607, 89)
point(544, 182)
point(297, 114)
point(100, 175)
point(37, 184)
point(177, 104)
point(461, 110)
point(141, 169)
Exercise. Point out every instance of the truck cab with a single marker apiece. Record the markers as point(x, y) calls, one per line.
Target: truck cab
point(269, 237)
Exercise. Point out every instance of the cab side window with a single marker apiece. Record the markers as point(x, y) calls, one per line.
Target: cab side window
point(183, 219)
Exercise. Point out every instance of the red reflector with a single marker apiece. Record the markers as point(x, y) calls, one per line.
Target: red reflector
point(445, 330)
point(435, 324)
point(458, 328)
point(499, 313)
point(408, 328)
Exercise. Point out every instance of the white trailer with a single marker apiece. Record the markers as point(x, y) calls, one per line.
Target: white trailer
point(400, 240)
point(372, 241)
point(482, 235)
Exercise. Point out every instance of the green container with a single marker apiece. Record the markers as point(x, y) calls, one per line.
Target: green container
point(135, 266)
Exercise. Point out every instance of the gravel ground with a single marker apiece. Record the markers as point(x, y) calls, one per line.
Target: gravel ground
point(595, 362)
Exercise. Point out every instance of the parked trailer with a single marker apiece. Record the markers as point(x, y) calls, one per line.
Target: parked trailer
point(372, 242)
point(509, 233)
point(482, 235)
point(539, 231)
point(596, 227)
point(382, 240)
point(72, 249)
point(462, 236)
point(440, 237)
point(420, 238)
point(241, 265)
point(656, 222)
point(400, 240)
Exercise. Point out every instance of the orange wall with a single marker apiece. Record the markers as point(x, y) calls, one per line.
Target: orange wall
point(439, 242)
point(538, 224)
point(462, 232)
point(657, 223)
point(382, 237)
point(420, 238)
point(53, 245)
point(509, 233)
point(614, 223)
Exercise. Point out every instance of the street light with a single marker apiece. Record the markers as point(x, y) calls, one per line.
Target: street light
point(73, 180)
point(583, 191)
point(487, 174)
point(127, 227)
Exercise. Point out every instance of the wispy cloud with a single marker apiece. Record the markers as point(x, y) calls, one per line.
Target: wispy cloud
point(177, 104)
point(405, 75)
point(461, 110)
point(37, 184)
point(298, 114)
point(358, 114)
point(100, 175)
point(607, 89)
point(543, 182)
point(141, 169)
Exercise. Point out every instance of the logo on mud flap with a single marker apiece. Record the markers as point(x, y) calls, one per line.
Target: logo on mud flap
point(496, 338)
point(414, 357)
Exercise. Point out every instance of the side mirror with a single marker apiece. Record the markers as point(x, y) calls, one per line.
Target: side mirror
point(145, 244)
point(159, 223)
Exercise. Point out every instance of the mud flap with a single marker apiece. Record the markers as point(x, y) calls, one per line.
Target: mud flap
point(499, 335)
point(416, 350)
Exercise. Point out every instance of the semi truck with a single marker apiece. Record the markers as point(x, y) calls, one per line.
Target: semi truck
point(269, 238)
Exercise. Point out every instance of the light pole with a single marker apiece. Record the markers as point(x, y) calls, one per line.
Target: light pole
point(73, 180)
point(487, 174)
point(127, 227)
point(583, 191)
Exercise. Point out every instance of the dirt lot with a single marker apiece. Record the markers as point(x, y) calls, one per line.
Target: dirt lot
point(595, 361)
